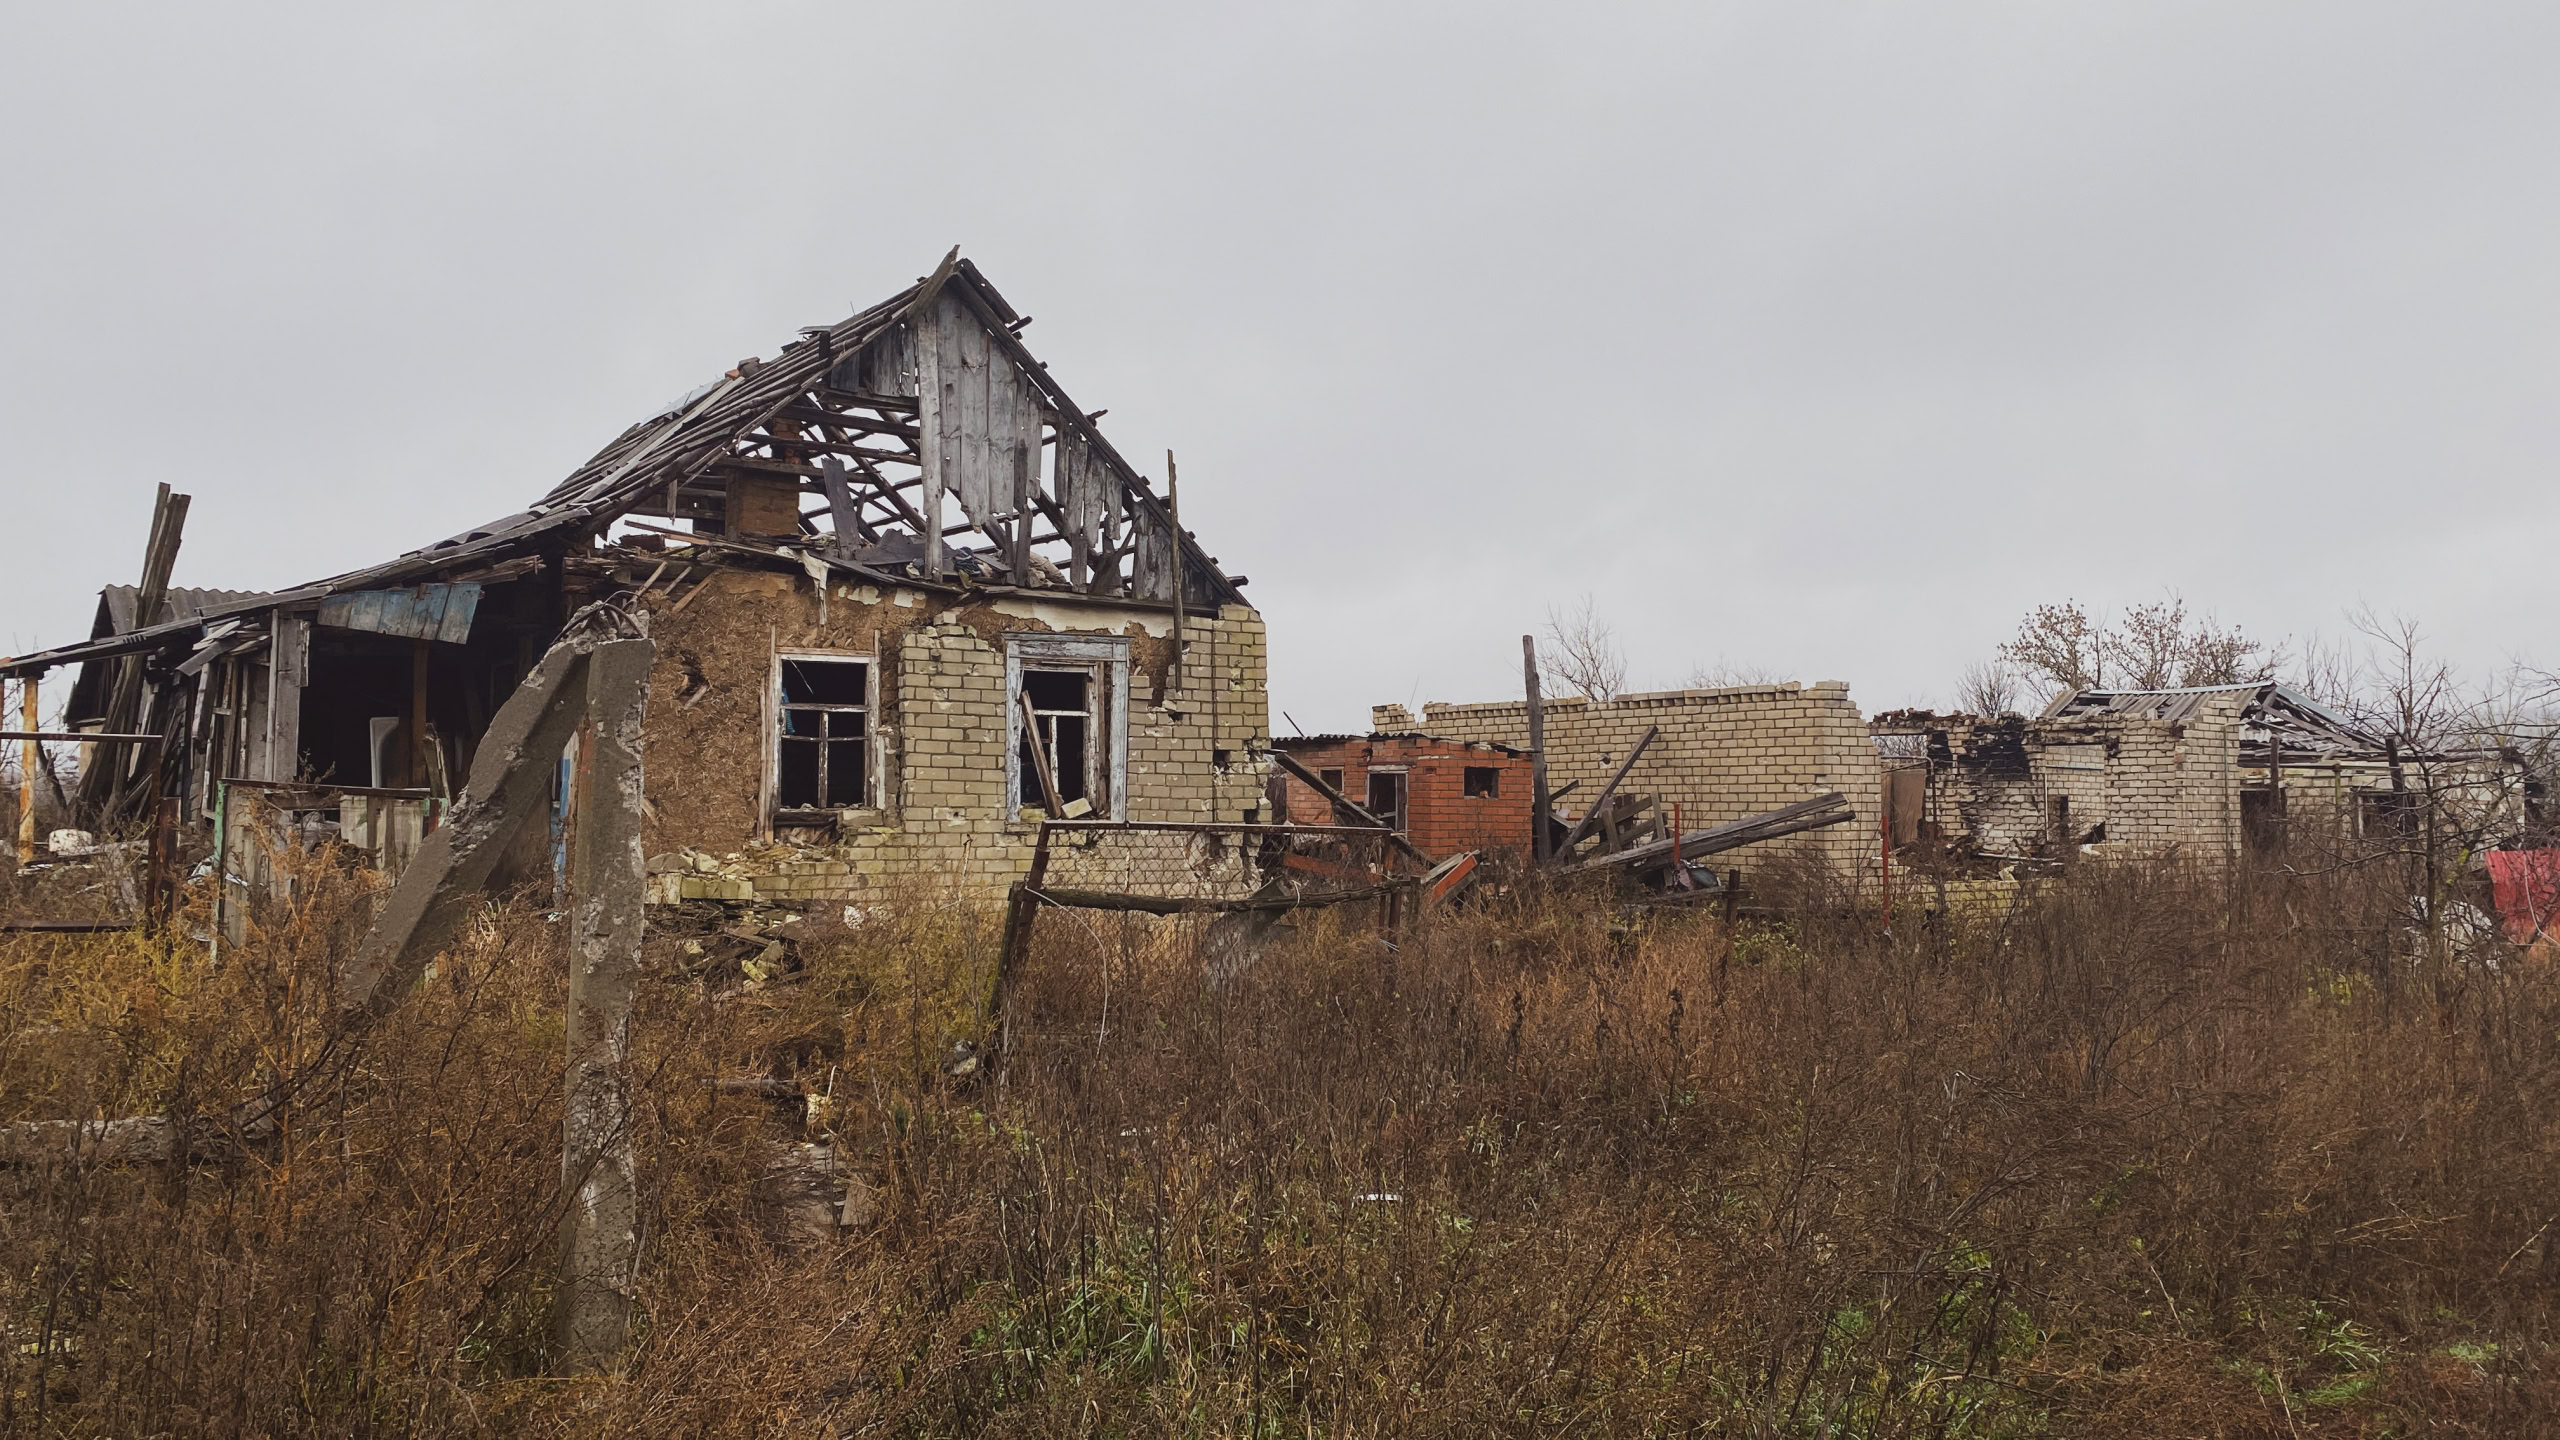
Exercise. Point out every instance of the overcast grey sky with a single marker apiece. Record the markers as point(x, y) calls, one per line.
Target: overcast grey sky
point(1825, 338)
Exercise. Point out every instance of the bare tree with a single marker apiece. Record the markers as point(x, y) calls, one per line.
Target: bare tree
point(1581, 656)
point(1726, 674)
point(2152, 647)
point(1987, 687)
point(2058, 648)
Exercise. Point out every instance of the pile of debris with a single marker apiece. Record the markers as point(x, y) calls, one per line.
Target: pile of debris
point(1631, 835)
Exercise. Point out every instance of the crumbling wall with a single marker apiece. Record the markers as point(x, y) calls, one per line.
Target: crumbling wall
point(1723, 755)
point(943, 729)
point(2153, 784)
point(1177, 740)
point(1441, 817)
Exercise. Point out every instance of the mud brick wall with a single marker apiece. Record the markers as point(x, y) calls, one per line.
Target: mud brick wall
point(943, 724)
point(1723, 755)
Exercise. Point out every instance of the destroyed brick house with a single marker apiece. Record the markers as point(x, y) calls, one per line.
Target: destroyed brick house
point(2217, 771)
point(1445, 795)
point(1717, 756)
point(906, 598)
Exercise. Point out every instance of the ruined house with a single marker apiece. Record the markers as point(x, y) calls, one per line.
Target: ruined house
point(1722, 755)
point(1445, 795)
point(906, 597)
point(2211, 771)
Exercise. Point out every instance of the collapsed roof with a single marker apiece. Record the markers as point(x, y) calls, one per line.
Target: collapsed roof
point(922, 404)
point(2308, 731)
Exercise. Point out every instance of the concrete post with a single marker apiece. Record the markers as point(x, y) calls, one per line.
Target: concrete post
point(599, 1236)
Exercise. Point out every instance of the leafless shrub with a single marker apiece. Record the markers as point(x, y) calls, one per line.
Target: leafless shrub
point(1987, 687)
point(1725, 674)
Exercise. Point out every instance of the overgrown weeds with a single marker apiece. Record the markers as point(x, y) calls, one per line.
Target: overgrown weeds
point(2159, 1151)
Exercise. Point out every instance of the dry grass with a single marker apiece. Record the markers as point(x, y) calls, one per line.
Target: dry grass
point(2151, 1155)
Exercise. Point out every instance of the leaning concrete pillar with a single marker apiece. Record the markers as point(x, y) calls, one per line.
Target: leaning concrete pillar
point(599, 1236)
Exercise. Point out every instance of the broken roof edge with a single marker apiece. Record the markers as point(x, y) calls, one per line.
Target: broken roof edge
point(1795, 689)
point(586, 504)
point(1310, 742)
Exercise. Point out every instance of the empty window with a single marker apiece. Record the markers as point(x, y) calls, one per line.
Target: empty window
point(1332, 778)
point(1386, 797)
point(1484, 782)
point(823, 756)
point(1061, 725)
point(2387, 814)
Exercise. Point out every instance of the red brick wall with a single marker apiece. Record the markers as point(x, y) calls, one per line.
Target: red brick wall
point(1440, 817)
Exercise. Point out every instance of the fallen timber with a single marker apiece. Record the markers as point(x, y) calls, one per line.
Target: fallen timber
point(1189, 905)
point(1814, 814)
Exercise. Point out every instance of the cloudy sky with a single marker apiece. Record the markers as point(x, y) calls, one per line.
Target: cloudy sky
point(1821, 339)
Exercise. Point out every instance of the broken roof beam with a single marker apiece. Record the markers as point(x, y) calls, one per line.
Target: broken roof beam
point(1814, 814)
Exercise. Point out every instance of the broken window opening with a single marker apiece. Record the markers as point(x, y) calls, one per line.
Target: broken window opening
point(1332, 778)
point(823, 753)
point(1062, 715)
point(1484, 782)
point(1386, 797)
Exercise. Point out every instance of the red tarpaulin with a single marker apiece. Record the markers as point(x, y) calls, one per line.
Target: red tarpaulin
point(2526, 887)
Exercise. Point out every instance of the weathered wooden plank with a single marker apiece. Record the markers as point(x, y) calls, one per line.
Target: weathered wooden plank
point(1600, 802)
point(441, 612)
point(1541, 803)
point(933, 422)
point(1813, 814)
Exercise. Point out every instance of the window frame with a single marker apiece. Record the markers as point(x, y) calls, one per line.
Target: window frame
point(1401, 822)
point(776, 813)
point(1105, 659)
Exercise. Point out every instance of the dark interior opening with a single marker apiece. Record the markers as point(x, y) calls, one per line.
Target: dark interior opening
point(1386, 797)
point(1061, 704)
point(824, 761)
point(1484, 782)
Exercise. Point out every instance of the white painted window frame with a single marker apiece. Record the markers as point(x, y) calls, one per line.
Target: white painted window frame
point(1108, 655)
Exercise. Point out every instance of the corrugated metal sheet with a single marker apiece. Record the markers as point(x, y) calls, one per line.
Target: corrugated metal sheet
point(116, 605)
point(2305, 724)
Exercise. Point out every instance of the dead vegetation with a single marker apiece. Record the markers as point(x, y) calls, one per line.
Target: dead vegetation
point(2156, 1152)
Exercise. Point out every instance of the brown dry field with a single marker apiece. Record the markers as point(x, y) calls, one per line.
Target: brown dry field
point(2158, 1153)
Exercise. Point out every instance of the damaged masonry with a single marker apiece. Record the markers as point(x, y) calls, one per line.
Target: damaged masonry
point(907, 600)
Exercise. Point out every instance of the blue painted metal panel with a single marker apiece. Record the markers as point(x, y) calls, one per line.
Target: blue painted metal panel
point(420, 612)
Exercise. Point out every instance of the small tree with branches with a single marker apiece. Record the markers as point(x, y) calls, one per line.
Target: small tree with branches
point(1581, 656)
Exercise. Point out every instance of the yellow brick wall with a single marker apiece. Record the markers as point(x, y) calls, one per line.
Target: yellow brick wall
point(943, 730)
point(1723, 754)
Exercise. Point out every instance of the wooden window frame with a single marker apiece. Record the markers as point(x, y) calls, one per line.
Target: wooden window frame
point(1106, 660)
point(775, 812)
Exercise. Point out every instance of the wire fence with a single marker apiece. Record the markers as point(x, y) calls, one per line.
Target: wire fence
point(1191, 898)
